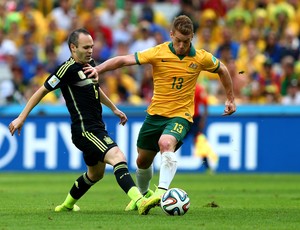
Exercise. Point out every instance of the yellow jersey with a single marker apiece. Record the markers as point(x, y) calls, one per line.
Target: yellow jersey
point(175, 78)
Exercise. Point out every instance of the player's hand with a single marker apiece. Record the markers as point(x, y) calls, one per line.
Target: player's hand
point(122, 116)
point(230, 108)
point(16, 124)
point(91, 72)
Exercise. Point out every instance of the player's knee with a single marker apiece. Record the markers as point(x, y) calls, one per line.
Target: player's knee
point(114, 156)
point(165, 144)
point(143, 163)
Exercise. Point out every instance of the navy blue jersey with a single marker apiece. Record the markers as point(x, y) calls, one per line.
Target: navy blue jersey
point(81, 96)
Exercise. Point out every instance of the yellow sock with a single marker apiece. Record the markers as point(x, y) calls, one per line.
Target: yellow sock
point(69, 201)
point(134, 194)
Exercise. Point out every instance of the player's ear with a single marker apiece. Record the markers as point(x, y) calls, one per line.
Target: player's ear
point(72, 46)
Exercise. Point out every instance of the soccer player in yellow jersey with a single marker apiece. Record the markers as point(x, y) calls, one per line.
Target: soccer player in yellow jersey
point(176, 67)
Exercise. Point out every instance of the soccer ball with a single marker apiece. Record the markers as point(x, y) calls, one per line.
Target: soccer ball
point(175, 202)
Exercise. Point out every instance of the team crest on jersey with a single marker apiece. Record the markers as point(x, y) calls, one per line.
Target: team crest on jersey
point(53, 81)
point(193, 66)
point(108, 140)
point(81, 75)
point(214, 59)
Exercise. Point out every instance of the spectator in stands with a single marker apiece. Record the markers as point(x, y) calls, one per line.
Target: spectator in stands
point(261, 27)
point(209, 32)
point(268, 78)
point(290, 44)
point(28, 62)
point(36, 82)
point(227, 41)
point(293, 94)
point(51, 61)
point(239, 20)
point(144, 39)
point(35, 30)
point(156, 21)
point(217, 6)
point(252, 61)
point(288, 73)
point(57, 34)
point(12, 89)
point(124, 32)
point(272, 49)
point(122, 87)
point(31, 18)
point(63, 15)
point(111, 15)
point(282, 16)
point(8, 48)
point(84, 8)
point(188, 8)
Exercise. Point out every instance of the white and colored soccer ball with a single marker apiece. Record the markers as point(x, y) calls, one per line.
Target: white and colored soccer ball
point(175, 202)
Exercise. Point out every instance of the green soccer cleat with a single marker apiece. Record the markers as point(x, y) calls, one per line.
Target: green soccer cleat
point(63, 208)
point(146, 204)
point(132, 205)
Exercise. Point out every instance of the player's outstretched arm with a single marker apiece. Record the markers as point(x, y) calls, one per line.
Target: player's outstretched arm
point(17, 124)
point(226, 80)
point(106, 101)
point(110, 64)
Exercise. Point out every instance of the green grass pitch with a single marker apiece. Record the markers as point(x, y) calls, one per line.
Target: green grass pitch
point(244, 201)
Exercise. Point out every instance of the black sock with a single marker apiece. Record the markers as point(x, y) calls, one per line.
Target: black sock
point(205, 162)
point(123, 176)
point(81, 186)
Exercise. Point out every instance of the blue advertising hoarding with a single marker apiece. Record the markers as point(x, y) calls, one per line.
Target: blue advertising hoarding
point(255, 139)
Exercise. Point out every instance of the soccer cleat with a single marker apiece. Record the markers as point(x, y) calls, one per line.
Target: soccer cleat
point(147, 203)
point(132, 205)
point(63, 208)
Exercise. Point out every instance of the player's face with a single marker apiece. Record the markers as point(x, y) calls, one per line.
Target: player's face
point(84, 50)
point(181, 43)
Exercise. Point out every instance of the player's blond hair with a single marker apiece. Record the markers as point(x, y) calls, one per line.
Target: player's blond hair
point(183, 24)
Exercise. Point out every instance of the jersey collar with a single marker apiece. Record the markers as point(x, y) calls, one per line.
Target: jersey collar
point(192, 52)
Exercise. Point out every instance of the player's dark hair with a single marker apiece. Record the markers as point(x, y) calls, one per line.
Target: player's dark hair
point(73, 37)
point(183, 24)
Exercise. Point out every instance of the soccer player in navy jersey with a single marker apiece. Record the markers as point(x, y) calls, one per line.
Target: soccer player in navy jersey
point(83, 98)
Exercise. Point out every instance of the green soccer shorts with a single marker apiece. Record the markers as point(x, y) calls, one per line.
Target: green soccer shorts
point(154, 126)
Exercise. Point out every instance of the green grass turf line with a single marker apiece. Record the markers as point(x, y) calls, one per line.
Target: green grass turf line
point(245, 201)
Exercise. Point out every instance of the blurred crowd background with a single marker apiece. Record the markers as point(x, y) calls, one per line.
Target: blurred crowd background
point(258, 40)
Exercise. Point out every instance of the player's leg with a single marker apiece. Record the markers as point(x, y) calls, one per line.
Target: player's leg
point(81, 186)
point(171, 139)
point(147, 148)
point(168, 168)
point(144, 174)
point(94, 147)
point(116, 158)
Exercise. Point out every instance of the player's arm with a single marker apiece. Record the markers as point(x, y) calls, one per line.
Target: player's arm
point(225, 78)
point(17, 124)
point(110, 64)
point(106, 101)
